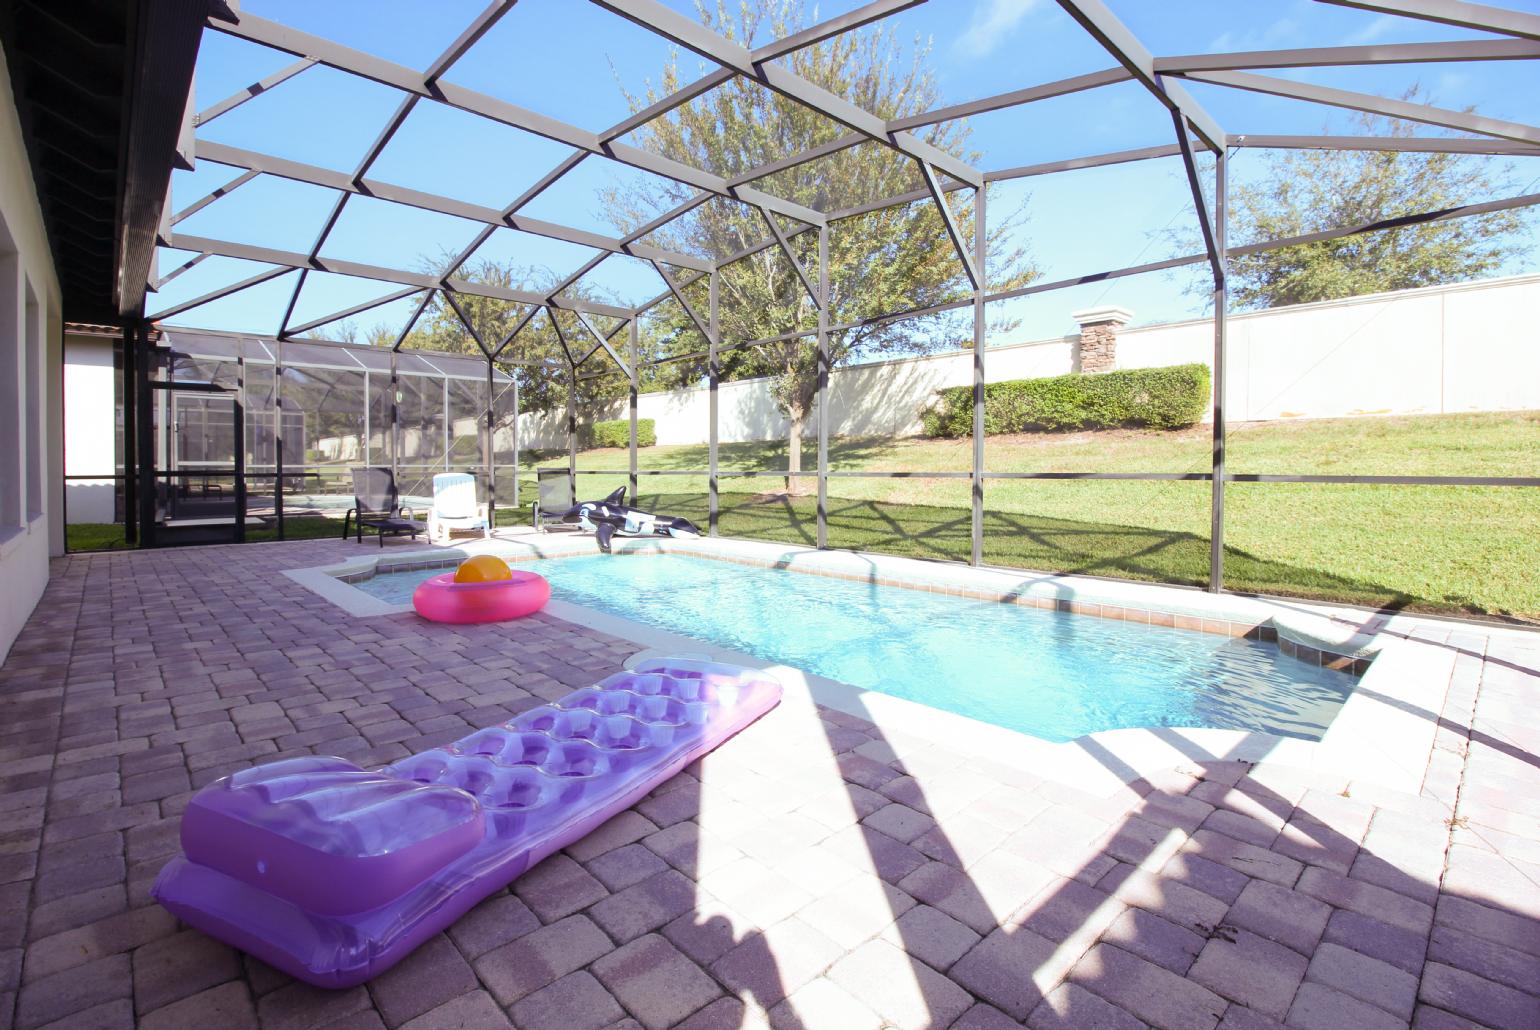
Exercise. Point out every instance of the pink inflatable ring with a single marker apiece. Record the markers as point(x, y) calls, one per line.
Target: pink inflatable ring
point(441, 599)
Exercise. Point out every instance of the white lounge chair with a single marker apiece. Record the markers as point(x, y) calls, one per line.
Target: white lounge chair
point(455, 507)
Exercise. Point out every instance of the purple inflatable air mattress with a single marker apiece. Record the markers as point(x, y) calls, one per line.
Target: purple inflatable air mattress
point(333, 873)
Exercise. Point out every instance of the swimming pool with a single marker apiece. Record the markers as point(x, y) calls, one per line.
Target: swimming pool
point(1053, 675)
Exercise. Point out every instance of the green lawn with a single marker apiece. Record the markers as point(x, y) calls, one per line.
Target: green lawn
point(1448, 549)
point(1452, 549)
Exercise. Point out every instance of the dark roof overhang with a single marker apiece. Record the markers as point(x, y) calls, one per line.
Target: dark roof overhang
point(101, 90)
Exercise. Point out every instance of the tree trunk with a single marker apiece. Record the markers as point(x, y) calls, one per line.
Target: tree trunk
point(794, 484)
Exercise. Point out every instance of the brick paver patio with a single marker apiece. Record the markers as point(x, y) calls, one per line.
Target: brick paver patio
point(812, 872)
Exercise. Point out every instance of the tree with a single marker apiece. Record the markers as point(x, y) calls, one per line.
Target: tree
point(884, 261)
point(1306, 191)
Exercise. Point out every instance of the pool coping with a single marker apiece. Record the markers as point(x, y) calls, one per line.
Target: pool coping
point(1384, 732)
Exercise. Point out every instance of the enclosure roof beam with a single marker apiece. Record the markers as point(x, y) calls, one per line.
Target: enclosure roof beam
point(1015, 98)
point(566, 165)
point(291, 259)
point(809, 36)
point(236, 157)
point(368, 305)
point(833, 146)
point(335, 55)
point(947, 186)
point(692, 35)
point(698, 265)
point(1092, 161)
point(1123, 156)
point(778, 48)
point(156, 284)
point(1408, 144)
point(1464, 211)
point(1423, 218)
point(604, 342)
point(256, 89)
point(209, 198)
point(1059, 88)
point(1374, 53)
point(1371, 104)
point(361, 169)
point(1096, 18)
point(478, 27)
point(1454, 12)
point(933, 185)
point(223, 291)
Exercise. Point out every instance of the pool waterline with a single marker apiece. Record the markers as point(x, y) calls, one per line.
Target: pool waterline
point(1050, 674)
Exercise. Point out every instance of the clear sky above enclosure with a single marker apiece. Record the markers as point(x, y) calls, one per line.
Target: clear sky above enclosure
point(574, 61)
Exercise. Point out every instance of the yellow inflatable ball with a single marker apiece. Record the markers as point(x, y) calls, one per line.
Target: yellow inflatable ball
point(483, 568)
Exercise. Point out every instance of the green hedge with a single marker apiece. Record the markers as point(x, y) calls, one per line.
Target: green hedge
point(1160, 398)
point(617, 433)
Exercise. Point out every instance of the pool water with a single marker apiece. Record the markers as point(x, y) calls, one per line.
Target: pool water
point(1051, 674)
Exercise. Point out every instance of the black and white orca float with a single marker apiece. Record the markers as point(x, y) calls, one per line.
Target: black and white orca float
point(613, 515)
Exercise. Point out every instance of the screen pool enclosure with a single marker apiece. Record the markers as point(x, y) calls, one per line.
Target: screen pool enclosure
point(221, 426)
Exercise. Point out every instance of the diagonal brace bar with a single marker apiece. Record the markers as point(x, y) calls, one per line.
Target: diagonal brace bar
point(1425, 113)
point(1200, 203)
point(367, 305)
point(785, 245)
point(213, 195)
point(688, 309)
point(604, 342)
point(958, 243)
point(465, 321)
point(518, 327)
point(1454, 12)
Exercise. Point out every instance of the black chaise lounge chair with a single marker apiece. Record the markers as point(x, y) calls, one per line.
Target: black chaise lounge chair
point(555, 497)
point(377, 505)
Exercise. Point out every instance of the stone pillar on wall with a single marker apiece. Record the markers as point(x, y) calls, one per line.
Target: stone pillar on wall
point(1097, 350)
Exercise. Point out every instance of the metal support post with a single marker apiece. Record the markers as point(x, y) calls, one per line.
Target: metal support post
point(823, 386)
point(714, 377)
point(146, 434)
point(1216, 554)
point(395, 418)
point(980, 250)
point(634, 341)
point(128, 368)
point(572, 440)
point(515, 442)
point(238, 425)
point(486, 446)
point(278, 431)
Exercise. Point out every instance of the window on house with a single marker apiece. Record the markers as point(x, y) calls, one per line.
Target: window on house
point(33, 378)
point(10, 388)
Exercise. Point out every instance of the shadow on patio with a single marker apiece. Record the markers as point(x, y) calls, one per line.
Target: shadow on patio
point(816, 871)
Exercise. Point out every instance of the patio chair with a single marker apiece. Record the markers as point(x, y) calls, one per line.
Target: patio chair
point(555, 497)
point(455, 507)
point(376, 504)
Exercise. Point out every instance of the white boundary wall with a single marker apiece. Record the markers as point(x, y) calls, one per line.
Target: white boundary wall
point(90, 441)
point(1442, 349)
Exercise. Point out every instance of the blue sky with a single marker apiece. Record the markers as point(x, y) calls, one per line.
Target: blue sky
point(570, 59)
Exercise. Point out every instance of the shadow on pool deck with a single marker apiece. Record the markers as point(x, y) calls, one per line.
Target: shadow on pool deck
point(816, 870)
